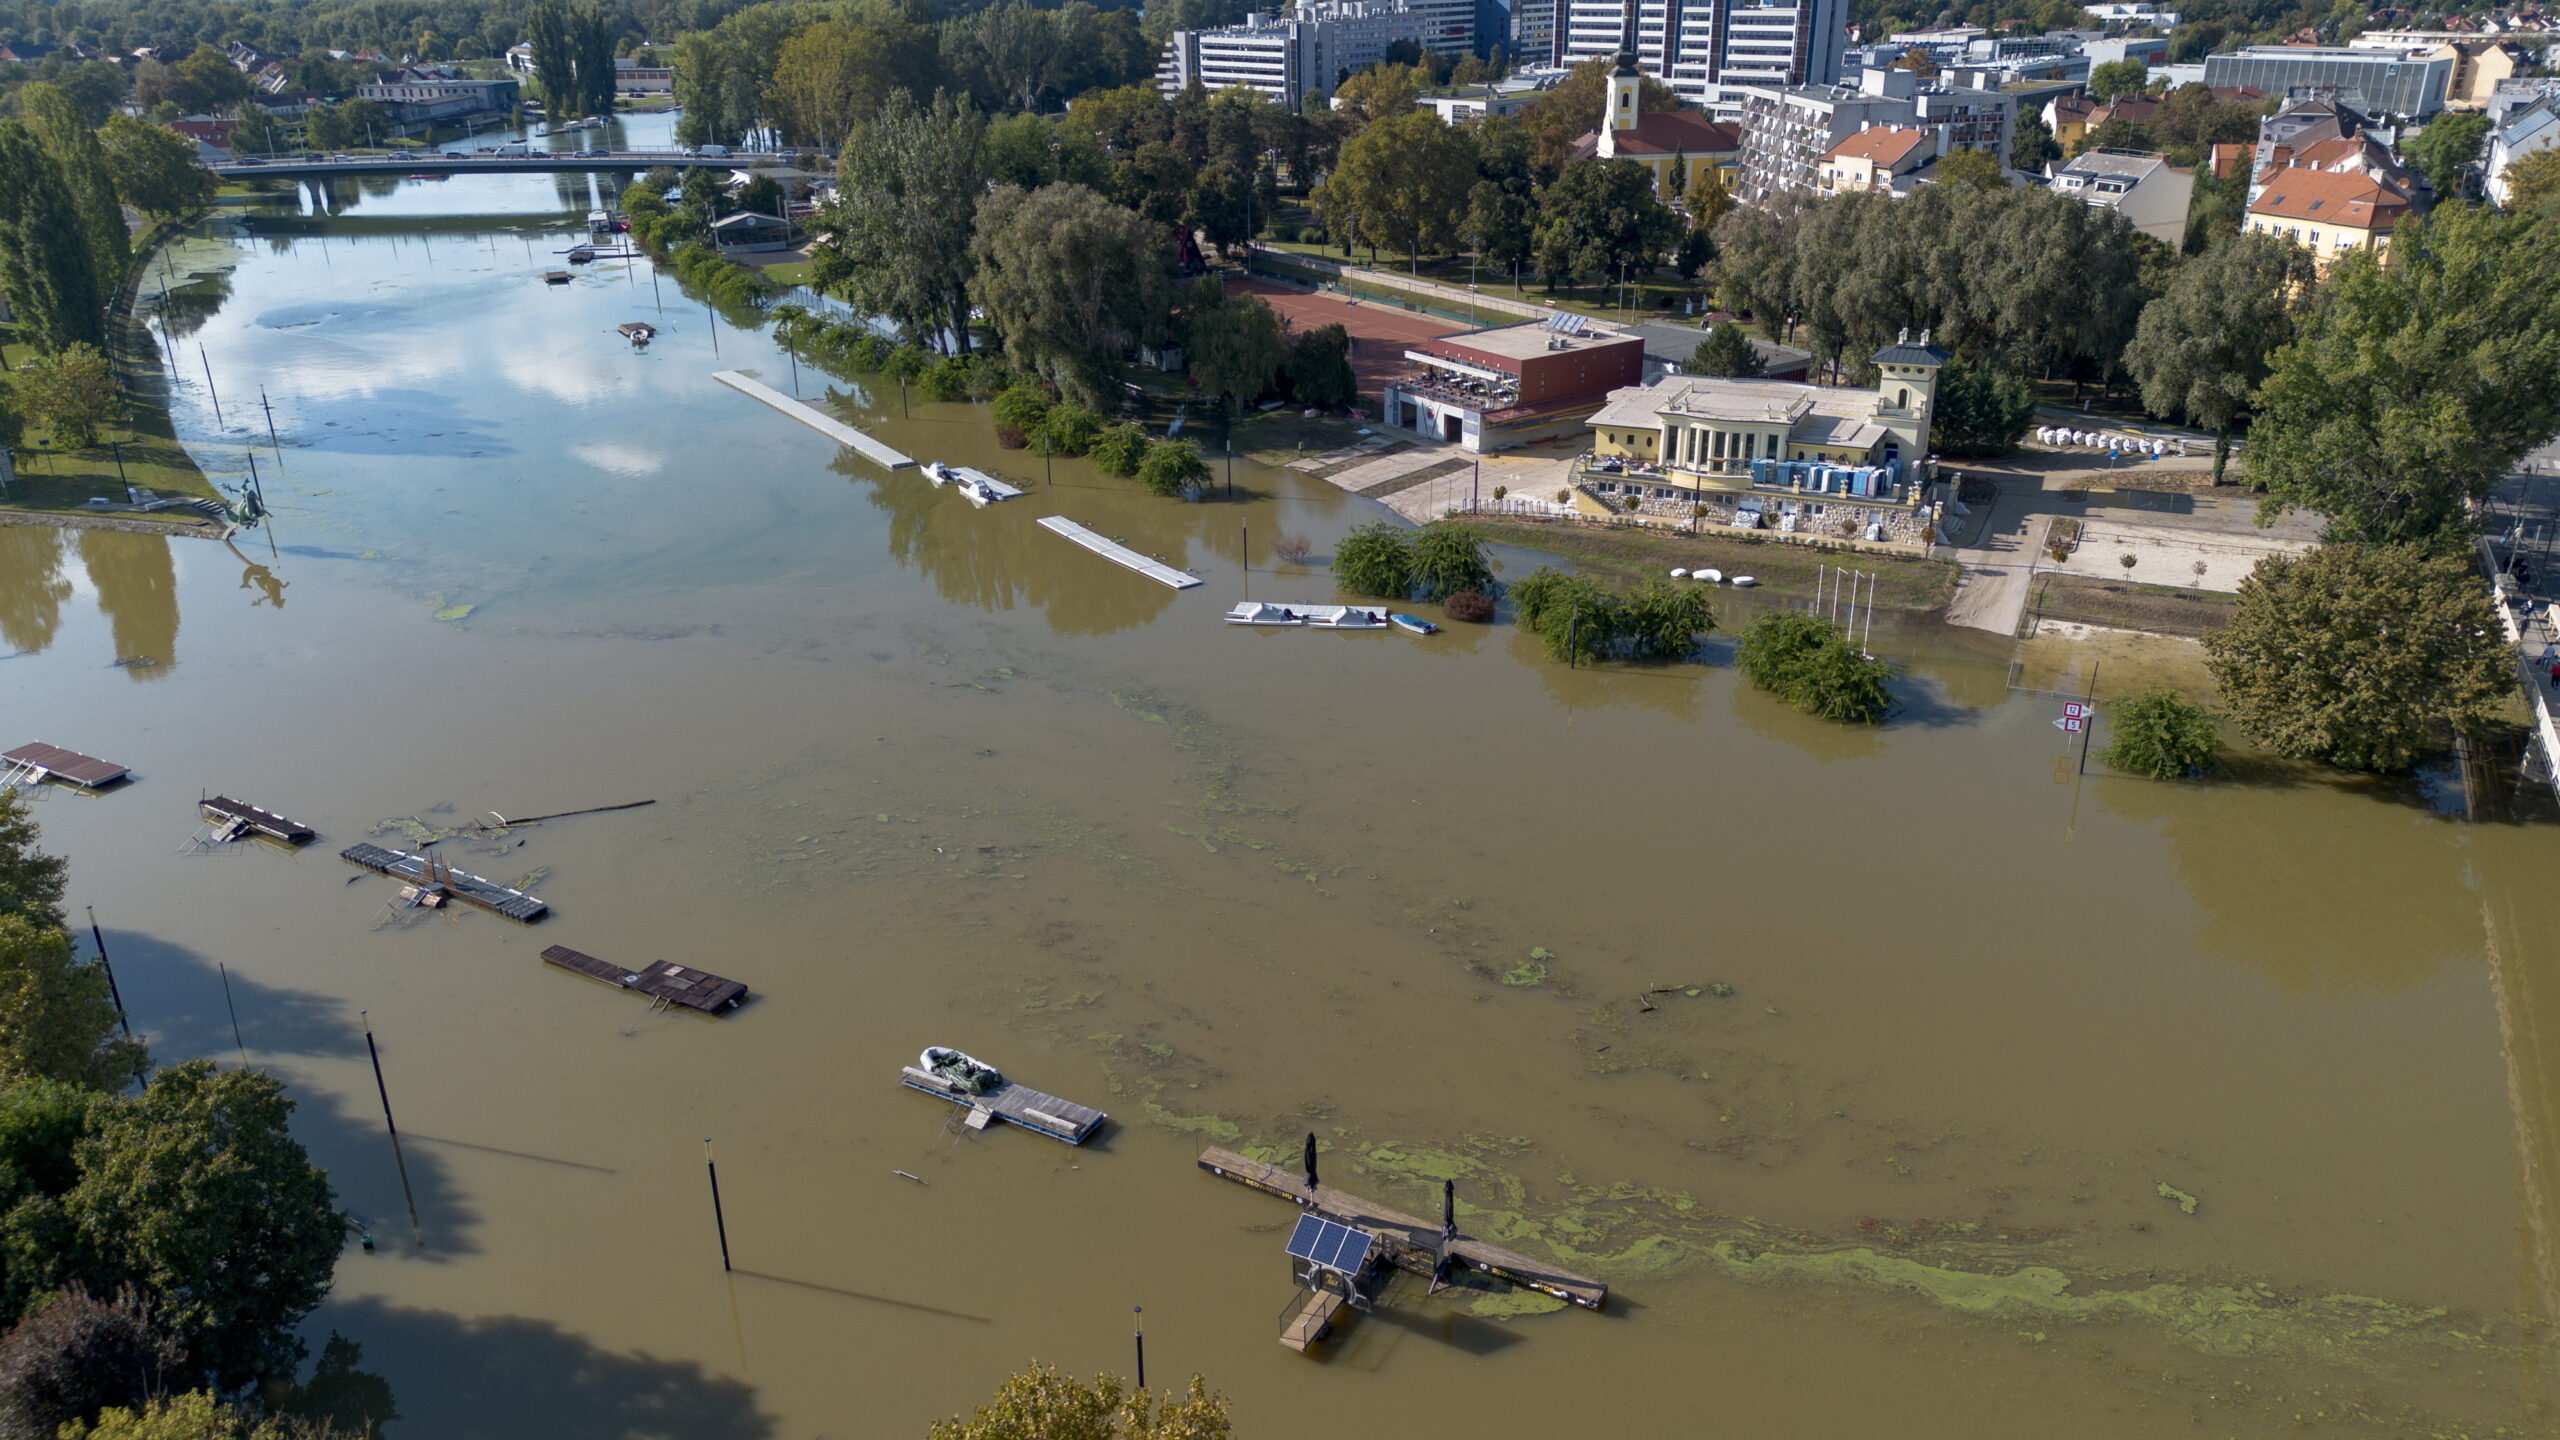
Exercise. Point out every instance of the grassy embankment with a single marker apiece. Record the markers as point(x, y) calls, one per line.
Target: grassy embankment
point(1626, 555)
point(56, 481)
point(2156, 609)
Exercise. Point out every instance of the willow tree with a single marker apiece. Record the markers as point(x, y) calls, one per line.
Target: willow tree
point(1071, 281)
point(906, 214)
point(55, 119)
point(2204, 346)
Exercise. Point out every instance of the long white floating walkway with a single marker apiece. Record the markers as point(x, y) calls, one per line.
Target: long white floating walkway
point(816, 419)
point(1119, 554)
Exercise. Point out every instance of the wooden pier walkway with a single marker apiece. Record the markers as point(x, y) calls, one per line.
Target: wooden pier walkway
point(1407, 1241)
point(664, 982)
point(1031, 1109)
point(418, 870)
point(816, 419)
point(40, 761)
point(237, 817)
point(1118, 553)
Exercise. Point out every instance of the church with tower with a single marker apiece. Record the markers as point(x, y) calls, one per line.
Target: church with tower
point(1675, 144)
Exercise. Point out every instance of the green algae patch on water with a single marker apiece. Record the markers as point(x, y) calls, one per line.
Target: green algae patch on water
point(1532, 971)
point(1512, 1302)
point(2186, 1203)
point(1212, 1127)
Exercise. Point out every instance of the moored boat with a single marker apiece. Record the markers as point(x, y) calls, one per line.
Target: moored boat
point(1261, 612)
point(939, 473)
point(1413, 624)
point(960, 1069)
point(1346, 617)
point(582, 255)
point(638, 332)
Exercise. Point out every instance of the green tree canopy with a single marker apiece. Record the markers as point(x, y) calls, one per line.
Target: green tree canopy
point(1320, 373)
point(72, 391)
point(197, 1191)
point(1600, 218)
point(65, 133)
point(1974, 169)
point(1448, 556)
point(1980, 410)
point(1727, 351)
point(1044, 1403)
point(2361, 655)
point(1402, 183)
point(1071, 281)
point(2446, 150)
point(48, 270)
point(155, 168)
point(2205, 344)
point(2533, 179)
point(906, 215)
point(31, 881)
point(2116, 79)
point(2412, 387)
point(2161, 734)
point(1809, 663)
point(57, 1020)
point(1375, 559)
point(1235, 349)
point(1173, 467)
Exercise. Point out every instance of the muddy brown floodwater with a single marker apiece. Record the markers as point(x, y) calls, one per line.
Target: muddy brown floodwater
point(2006, 1102)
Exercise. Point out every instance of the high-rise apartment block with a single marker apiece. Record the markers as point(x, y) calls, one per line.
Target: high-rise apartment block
point(1308, 49)
point(1707, 51)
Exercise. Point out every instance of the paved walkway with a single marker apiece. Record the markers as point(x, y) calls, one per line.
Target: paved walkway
point(1999, 570)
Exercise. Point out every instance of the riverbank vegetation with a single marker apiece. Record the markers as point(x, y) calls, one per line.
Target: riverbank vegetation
point(1810, 663)
point(2363, 656)
point(1391, 562)
point(1045, 1403)
point(160, 1233)
point(1582, 621)
point(2160, 734)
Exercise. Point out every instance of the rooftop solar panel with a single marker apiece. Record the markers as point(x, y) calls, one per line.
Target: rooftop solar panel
point(1321, 1242)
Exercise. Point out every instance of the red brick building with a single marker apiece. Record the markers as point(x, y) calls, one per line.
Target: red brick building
point(1512, 384)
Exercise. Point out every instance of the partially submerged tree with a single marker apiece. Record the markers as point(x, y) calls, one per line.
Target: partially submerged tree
point(1449, 557)
point(906, 218)
point(1071, 281)
point(1044, 1403)
point(2362, 656)
point(1375, 559)
point(2160, 734)
point(1809, 662)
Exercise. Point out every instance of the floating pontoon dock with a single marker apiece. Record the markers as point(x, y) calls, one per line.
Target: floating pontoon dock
point(665, 982)
point(51, 762)
point(1118, 553)
point(419, 870)
point(1404, 1240)
point(1058, 1119)
point(816, 419)
point(234, 818)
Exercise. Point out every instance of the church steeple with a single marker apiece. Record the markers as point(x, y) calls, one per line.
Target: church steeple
point(1625, 83)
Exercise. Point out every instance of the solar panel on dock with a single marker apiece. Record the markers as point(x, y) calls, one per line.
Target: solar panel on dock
point(1321, 1242)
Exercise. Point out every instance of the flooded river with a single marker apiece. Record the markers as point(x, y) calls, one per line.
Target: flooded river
point(1972, 1097)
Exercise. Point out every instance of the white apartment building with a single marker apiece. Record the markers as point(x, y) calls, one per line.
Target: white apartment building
point(1309, 50)
point(1787, 129)
point(2145, 189)
point(1709, 51)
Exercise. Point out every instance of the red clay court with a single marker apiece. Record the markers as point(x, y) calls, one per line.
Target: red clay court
point(1379, 331)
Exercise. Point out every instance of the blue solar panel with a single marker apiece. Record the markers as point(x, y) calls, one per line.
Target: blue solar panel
point(1319, 1241)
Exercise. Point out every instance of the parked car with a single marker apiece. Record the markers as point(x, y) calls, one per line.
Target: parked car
point(404, 154)
point(248, 160)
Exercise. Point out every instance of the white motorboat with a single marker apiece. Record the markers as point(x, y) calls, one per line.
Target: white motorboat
point(939, 473)
point(1413, 624)
point(960, 1069)
point(982, 488)
point(1257, 612)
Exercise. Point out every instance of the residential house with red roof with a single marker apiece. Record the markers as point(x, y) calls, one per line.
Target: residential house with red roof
point(2332, 212)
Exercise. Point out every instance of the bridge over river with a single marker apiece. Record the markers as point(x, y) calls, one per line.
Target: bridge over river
point(547, 162)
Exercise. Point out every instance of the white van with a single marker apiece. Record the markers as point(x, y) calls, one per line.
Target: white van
point(713, 151)
point(519, 148)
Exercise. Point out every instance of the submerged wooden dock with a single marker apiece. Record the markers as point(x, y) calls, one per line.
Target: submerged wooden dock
point(418, 870)
point(40, 761)
point(1031, 1109)
point(1119, 554)
point(664, 982)
point(816, 419)
point(1406, 1241)
point(234, 818)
